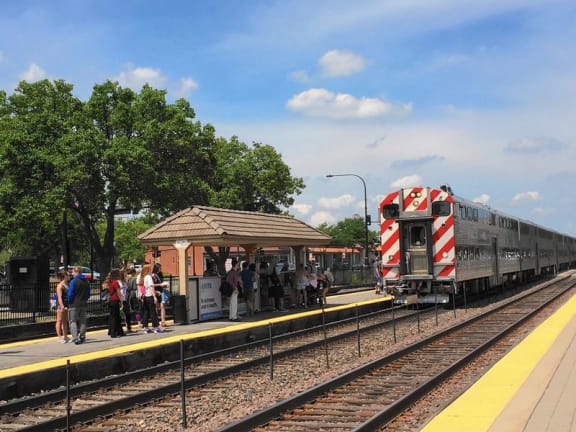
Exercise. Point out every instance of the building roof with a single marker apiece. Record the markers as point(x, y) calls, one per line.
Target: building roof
point(222, 227)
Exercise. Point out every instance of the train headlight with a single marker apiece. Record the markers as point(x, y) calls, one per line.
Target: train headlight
point(444, 255)
point(415, 202)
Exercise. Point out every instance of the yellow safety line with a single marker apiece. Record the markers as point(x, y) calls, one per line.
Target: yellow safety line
point(481, 404)
point(154, 343)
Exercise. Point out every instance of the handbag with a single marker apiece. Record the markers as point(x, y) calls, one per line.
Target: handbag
point(225, 288)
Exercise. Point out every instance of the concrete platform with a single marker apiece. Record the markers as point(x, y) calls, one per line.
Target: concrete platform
point(532, 389)
point(26, 365)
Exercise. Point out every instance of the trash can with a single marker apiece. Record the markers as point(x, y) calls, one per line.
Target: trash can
point(29, 288)
point(180, 315)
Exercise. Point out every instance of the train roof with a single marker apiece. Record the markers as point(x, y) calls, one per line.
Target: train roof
point(459, 199)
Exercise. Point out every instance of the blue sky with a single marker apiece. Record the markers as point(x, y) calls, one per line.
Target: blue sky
point(480, 95)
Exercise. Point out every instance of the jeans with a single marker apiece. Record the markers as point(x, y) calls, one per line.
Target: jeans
point(234, 305)
point(78, 322)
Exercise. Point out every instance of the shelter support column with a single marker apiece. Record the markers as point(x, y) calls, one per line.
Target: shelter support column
point(250, 251)
point(299, 255)
point(182, 246)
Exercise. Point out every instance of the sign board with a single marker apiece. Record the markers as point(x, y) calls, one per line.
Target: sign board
point(209, 298)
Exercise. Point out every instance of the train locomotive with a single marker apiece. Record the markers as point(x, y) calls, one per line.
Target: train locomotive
point(435, 245)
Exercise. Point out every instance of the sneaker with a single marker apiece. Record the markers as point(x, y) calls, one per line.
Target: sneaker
point(159, 330)
point(147, 330)
point(62, 340)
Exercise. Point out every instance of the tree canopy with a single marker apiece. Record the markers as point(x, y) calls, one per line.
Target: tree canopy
point(118, 150)
point(349, 232)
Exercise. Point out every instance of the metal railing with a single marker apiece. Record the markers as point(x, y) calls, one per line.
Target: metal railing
point(31, 304)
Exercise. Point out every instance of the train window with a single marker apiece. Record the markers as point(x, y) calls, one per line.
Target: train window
point(440, 208)
point(417, 236)
point(391, 211)
point(475, 214)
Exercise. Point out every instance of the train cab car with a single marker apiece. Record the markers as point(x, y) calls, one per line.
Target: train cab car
point(436, 245)
point(418, 248)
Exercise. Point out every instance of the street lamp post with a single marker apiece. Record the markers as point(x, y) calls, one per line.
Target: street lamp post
point(365, 211)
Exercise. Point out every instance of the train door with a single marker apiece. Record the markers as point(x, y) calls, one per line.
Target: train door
point(495, 269)
point(416, 247)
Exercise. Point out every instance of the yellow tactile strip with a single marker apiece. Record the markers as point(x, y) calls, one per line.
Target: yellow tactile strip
point(478, 408)
point(154, 343)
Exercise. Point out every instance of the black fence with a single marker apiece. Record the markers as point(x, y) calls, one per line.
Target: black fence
point(31, 304)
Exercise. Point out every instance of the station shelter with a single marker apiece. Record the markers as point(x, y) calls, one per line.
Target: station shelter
point(201, 226)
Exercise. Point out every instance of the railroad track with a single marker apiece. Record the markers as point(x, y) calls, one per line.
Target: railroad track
point(93, 400)
point(370, 396)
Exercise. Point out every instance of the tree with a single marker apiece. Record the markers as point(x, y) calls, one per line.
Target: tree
point(119, 150)
point(250, 179)
point(349, 231)
point(128, 247)
point(32, 196)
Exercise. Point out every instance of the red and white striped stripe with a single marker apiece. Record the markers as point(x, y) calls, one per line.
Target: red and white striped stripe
point(443, 245)
point(390, 236)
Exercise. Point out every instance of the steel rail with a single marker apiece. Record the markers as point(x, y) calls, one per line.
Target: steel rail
point(274, 412)
point(106, 409)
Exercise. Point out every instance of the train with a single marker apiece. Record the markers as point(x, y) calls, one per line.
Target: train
point(436, 246)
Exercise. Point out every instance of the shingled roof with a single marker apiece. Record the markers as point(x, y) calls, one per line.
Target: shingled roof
point(211, 226)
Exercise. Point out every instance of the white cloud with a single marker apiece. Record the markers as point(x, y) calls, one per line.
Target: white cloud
point(535, 145)
point(448, 60)
point(543, 211)
point(135, 78)
point(33, 73)
point(321, 217)
point(408, 181)
point(320, 102)
point(482, 199)
point(341, 63)
point(302, 209)
point(187, 85)
point(299, 76)
point(526, 196)
point(336, 203)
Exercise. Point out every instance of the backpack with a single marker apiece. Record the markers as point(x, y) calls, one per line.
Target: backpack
point(54, 302)
point(105, 295)
point(225, 287)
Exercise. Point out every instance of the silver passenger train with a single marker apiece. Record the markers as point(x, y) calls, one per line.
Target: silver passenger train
point(435, 244)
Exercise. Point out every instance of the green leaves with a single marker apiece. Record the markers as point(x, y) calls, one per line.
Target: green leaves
point(118, 150)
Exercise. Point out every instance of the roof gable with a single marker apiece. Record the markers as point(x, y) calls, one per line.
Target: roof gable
point(223, 227)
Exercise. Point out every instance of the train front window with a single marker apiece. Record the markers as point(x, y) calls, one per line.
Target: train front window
point(417, 236)
point(441, 208)
point(391, 211)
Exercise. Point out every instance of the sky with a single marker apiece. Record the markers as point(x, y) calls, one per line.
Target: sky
point(477, 95)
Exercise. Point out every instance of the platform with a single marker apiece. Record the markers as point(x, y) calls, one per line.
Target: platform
point(531, 389)
point(44, 360)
